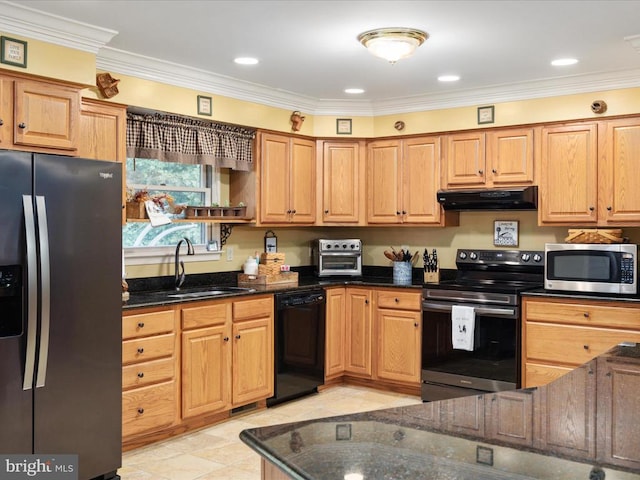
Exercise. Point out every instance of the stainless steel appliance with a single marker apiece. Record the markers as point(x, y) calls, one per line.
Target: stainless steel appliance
point(582, 267)
point(61, 309)
point(489, 281)
point(299, 344)
point(337, 257)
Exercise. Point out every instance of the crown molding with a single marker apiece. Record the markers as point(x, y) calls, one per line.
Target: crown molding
point(27, 22)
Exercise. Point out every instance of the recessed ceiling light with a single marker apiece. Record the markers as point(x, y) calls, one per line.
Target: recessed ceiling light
point(449, 78)
point(353, 90)
point(561, 62)
point(245, 61)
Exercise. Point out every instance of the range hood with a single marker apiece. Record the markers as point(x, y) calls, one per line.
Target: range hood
point(516, 198)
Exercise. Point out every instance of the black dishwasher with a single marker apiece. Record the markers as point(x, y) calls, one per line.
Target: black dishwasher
point(299, 344)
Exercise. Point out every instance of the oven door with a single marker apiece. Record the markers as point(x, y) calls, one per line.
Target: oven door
point(492, 366)
point(340, 264)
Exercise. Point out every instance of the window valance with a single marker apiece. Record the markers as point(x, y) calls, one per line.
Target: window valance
point(174, 138)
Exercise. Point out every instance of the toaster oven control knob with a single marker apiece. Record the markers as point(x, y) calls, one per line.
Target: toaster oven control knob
point(473, 256)
point(525, 257)
point(462, 255)
point(344, 245)
point(537, 257)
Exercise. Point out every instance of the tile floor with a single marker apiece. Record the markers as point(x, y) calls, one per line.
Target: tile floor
point(217, 453)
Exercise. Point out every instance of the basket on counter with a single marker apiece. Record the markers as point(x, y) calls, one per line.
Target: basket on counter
point(270, 263)
point(595, 235)
point(269, 272)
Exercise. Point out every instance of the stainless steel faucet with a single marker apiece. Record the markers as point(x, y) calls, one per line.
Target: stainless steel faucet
point(180, 275)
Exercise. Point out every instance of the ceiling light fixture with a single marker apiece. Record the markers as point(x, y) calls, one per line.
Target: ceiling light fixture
point(354, 91)
point(392, 44)
point(246, 61)
point(561, 62)
point(448, 78)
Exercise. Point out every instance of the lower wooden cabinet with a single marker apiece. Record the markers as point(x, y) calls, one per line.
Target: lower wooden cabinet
point(358, 332)
point(149, 372)
point(335, 332)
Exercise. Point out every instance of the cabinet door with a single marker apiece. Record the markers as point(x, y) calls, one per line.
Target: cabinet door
point(358, 332)
point(619, 194)
point(46, 115)
point(103, 128)
point(252, 361)
point(510, 157)
point(465, 415)
point(274, 178)
point(420, 180)
point(335, 332)
point(510, 417)
point(302, 181)
point(465, 160)
point(341, 182)
point(6, 112)
point(398, 345)
point(618, 407)
point(567, 414)
point(206, 371)
point(568, 190)
point(383, 180)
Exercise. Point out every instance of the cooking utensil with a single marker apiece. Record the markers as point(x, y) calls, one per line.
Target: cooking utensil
point(389, 255)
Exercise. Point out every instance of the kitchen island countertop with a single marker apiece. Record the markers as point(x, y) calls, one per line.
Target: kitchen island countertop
point(466, 438)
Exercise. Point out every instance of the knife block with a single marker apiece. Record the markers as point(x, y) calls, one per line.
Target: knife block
point(432, 277)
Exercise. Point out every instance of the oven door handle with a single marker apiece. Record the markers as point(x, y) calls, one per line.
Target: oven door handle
point(502, 312)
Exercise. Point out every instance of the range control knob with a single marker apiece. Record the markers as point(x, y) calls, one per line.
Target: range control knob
point(525, 257)
point(473, 256)
point(462, 256)
point(537, 257)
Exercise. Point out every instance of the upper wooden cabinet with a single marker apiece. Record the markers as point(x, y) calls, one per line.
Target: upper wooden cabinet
point(103, 126)
point(497, 158)
point(40, 116)
point(342, 191)
point(402, 180)
point(588, 174)
point(287, 179)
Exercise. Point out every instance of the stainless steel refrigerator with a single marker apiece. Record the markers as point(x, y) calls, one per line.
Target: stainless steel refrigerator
point(60, 309)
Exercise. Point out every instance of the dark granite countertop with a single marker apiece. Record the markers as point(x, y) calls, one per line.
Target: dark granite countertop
point(152, 292)
point(608, 297)
point(426, 441)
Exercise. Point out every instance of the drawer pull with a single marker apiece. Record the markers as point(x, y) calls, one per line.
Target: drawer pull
point(140, 374)
point(586, 314)
point(140, 350)
point(22, 125)
point(586, 347)
point(140, 324)
point(416, 324)
point(237, 337)
point(396, 300)
point(140, 410)
point(226, 339)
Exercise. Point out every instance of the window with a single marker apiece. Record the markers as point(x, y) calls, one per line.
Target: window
point(186, 185)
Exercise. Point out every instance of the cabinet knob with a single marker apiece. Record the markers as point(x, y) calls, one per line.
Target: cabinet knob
point(591, 209)
point(397, 212)
point(609, 208)
point(293, 211)
point(140, 410)
point(396, 300)
point(366, 302)
point(238, 337)
point(289, 211)
point(404, 212)
point(480, 172)
point(22, 125)
point(226, 339)
point(416, 324)
point(326, 211)
point(140, 350)
point(586, 314)
point(140, 374)
point(140, 324)
point(1, 122)
point(493, 170)
point(586, 347)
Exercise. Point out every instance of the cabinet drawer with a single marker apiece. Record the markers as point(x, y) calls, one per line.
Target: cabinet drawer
point(537, 375)
point(571, 345)
point(143, 349)
point(399, 300)
point(145, 324)
point(148, 408)
point(583, 314)
point(255, 308)
point(196, 317)
point(146, 373)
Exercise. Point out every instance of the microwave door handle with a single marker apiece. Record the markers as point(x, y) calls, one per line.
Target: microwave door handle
point(506, 312)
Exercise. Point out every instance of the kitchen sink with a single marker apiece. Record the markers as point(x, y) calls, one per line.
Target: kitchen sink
point(203, 292)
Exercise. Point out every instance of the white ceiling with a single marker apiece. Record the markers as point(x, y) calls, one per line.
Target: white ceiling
point(309, 54)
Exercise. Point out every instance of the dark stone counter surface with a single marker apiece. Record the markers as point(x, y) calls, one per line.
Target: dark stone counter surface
point(152, 292)
point(522, 434)
point(608, 297)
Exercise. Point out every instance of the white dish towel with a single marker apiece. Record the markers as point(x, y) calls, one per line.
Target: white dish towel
point(463, 323)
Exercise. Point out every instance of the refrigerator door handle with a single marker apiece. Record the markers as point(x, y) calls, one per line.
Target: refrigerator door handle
point(45, 291)
point(32, 290)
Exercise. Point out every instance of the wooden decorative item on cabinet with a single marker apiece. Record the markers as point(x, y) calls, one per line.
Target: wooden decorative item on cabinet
point(149, 373)
point(287, 179)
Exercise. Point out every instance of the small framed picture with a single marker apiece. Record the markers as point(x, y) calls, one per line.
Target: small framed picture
point(485, 114)
point(505, 233)
point(205, 105)
point(14, 52)
point(343, 126)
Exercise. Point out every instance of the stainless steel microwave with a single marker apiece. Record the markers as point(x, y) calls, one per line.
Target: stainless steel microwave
point(601, 268)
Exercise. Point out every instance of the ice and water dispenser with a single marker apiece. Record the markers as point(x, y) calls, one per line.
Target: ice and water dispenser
point(10, 300)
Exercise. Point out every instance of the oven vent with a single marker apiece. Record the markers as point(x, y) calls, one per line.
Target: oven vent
point(516, 198)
